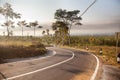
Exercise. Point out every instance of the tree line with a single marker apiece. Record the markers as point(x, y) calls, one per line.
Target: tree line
point(93, 41)
point(9, 14)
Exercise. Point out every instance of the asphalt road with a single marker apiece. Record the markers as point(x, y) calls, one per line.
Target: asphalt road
point(64, 65)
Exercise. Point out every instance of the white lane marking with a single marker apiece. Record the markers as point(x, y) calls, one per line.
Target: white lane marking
point(43, 68)
point(96, 69)
point(54, 53)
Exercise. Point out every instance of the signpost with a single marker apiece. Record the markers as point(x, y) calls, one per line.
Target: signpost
point(117, 35)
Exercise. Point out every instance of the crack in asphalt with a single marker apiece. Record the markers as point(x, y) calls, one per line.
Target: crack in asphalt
point(3, 76)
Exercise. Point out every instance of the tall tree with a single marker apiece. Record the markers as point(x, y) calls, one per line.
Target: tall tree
point(68, 17)
point(8, 13)
point(22, 24)
point(34, 25)
point(61, 32)
point(8, 24)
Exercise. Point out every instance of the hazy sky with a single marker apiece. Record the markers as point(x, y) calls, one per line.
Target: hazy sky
point(103, 17)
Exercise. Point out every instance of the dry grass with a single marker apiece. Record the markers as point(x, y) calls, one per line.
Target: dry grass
point(15, 43)
point(20, 49)
point(108, 56)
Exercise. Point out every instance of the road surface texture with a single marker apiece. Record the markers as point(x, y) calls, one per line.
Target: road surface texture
point(64, 65)
point(110, 73)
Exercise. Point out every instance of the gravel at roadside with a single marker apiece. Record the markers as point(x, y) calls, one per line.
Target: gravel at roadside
point(110, 73)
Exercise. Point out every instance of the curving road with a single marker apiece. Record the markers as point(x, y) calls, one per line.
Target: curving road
point(64, 65)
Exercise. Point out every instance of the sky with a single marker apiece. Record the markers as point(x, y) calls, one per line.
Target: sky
point(102, 18)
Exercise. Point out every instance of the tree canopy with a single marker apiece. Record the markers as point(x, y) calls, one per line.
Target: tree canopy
point(64, 21)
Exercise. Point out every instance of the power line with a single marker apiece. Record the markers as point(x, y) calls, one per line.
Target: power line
point(88, 7)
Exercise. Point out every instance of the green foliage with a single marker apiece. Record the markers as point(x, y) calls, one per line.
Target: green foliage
point(68, 17)
point(64, 21)
point(47, 39)
point(93, 40)
point(8, 12)
point(61, 32)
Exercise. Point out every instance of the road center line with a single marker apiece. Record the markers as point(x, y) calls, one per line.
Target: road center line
point(42, 68)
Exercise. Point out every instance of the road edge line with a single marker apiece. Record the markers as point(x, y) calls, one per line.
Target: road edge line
point(54, 53)
point(96, 69)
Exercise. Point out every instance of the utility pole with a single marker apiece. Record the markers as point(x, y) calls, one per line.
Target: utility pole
point(117, 35)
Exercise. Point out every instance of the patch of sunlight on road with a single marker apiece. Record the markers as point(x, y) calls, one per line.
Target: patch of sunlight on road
point(83, 76)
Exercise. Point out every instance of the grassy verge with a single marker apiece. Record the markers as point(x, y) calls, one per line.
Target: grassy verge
point(108, 56)
point(20, 49)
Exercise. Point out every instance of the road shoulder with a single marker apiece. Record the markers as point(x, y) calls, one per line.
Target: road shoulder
point(110, 73)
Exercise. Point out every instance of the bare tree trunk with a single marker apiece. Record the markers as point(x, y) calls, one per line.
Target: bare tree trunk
point(22, 31)
point(8, 33)
point(34, 31)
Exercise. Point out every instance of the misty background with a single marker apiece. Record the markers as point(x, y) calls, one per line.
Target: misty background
point(103, 18)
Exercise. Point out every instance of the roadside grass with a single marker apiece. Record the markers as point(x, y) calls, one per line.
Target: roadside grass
point(17, 48)
point(15, 43)
point(108, 56)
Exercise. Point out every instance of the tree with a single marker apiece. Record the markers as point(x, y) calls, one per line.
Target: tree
point(34, 25)
point(3, 33)
point(43, 32)
point(46, 38)
point(68, 17)
point(22, 24)
point(61, 32)
point(11, 33)
point(40, 26)
point(1, 10)
point(8, 12)
point(8, 24)
point(47, 31)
